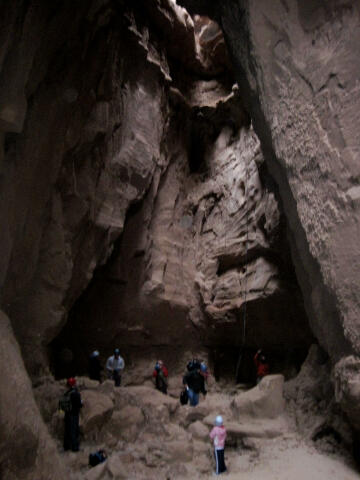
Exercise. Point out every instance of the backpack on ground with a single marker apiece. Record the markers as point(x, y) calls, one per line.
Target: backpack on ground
point(184, 397)
point(65, 402)
point(97, 457)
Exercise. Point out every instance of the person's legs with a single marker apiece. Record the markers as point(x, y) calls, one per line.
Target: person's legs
point(220, 466)
point(161, 384)
point(193, 397)
point(117, 378)
point(67, 432)
point(74, 425)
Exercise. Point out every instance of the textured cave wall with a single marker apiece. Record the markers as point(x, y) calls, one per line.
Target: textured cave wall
point(208, 237)
point(82, 115)
point(298, 63)
point(132, 191)
point(27, 450)
point(83, 111)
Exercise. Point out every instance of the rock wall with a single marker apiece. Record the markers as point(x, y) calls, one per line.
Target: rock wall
point(298, 64)
point(208, 239)
point(27, 450)
point(108, 126)
point(138, 206)
point(82, 142)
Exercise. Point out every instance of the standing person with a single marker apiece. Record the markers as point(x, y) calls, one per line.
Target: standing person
point(262, 366)
point(160, 374)
point(114, 366)
point(194, 381)
point(218, 435)
point(71, 404)
point(95, 366)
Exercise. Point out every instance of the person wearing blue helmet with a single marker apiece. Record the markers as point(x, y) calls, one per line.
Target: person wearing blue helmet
point(114, 367)
point(194, 382)
point(95, 366)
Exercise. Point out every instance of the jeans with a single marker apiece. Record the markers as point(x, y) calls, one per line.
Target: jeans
point(193, 397)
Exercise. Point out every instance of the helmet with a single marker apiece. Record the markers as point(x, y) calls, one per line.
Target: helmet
point(219, 421)
point(71, 381)
point(95, 353)
point(194, 364)
point(116, 351)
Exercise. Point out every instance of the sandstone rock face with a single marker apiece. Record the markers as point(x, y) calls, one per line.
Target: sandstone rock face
point(89, 148)
point(298, 68)
point(309, 103)
point(136, 208)
point(208, 239)
point(130, 128)
point(310, 397)
point(27, 450)
point(264, 401)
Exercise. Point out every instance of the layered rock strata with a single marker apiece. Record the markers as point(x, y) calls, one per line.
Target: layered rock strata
point(299, 67)
point(133, 196)
point(207, 239)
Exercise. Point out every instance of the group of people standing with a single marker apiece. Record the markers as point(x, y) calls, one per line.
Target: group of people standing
point(71, 403)
point(115, 364)
point(194, 382)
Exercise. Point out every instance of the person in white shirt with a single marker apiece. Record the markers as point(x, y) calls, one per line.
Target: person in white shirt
point(114, 366)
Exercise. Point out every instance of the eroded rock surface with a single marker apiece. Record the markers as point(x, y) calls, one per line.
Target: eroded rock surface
point(27, 450)
point(136, 203)
point(297, 63)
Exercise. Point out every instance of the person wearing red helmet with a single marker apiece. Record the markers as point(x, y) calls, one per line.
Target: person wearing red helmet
point(72, 406)
point(160, 375)
point(262, 366)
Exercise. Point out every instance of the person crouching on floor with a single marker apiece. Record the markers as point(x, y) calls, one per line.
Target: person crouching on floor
point(218, 435)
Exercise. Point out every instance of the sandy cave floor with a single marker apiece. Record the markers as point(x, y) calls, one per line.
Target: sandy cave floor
point(286, 457)
point(290, 459)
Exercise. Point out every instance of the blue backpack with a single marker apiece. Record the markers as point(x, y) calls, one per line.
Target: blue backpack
point(97, 457)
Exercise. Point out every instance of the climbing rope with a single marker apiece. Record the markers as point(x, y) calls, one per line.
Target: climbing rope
point(242, 343)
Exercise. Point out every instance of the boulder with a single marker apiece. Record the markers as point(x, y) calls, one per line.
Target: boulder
point(199, 430)
point(263, 401)
point(86, 383)
point(96, 473)
point(96, 411)
point(27, 450)
point(347, 387)
point(178, 451)
point(193, 414)
point(126, 423)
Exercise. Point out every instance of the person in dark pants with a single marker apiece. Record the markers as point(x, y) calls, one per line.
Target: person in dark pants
point(95, 366)
point(114, 366)
point(160, 375)
point(71, 419)
point(194, 381)
point(218, 435)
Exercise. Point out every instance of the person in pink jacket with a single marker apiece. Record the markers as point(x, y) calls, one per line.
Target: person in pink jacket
point(218, 434)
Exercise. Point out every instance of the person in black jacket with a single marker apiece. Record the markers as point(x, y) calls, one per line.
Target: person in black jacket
point(194, 381)
point(71, 419)
point(95, 366)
